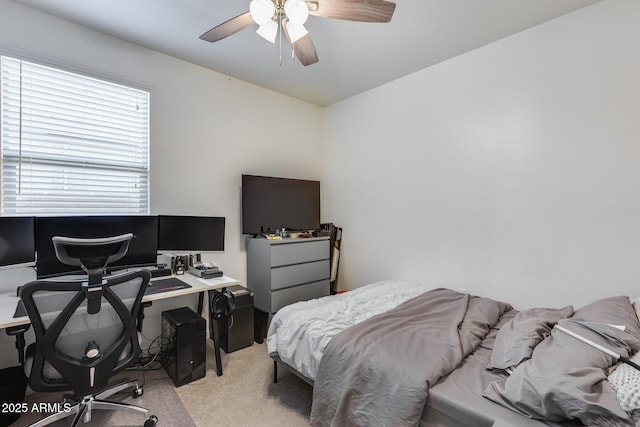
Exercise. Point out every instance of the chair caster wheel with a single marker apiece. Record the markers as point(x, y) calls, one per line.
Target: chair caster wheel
point(137, 392)
point(151, 421)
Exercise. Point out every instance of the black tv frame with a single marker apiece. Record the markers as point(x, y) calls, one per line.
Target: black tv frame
point(272, 203)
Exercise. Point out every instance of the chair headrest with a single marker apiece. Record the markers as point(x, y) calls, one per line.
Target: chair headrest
point(93, 255)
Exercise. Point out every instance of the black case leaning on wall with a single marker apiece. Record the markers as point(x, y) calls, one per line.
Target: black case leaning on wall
point(236, 329)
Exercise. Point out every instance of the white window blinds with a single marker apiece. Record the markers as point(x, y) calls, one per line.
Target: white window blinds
point(71, 144)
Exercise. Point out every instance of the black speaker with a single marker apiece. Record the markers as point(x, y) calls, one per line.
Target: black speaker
point(232, 310)
point(184, 352)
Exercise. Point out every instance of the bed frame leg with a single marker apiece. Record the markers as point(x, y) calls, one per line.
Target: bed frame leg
point(275, 372)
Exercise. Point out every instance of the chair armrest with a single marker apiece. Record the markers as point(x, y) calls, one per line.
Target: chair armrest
point(18, 332)
point(141, 313)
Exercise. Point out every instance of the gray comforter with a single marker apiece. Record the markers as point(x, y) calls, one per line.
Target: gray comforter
point(378, 372)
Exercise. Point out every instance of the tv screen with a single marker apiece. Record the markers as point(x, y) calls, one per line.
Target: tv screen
point(143, 248)
point(17, 241)
point(270, 203)
point(190, 233)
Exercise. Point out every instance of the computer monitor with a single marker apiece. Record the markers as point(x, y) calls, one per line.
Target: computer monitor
point(17, 241)
point(190, 233)
point(143, 248)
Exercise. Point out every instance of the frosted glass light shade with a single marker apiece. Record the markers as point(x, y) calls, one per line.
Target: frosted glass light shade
point(295, 31)
point(261, 11)
point(296, 11)
point(268, 31)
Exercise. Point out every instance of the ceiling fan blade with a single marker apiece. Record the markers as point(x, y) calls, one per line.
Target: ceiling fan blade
point(228, 28)
point(304, 49)
point(353, 10)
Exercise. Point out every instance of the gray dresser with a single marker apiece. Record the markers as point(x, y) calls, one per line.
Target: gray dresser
point(281, 272)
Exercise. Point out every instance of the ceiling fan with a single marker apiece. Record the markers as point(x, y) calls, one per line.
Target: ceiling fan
point(289, 16)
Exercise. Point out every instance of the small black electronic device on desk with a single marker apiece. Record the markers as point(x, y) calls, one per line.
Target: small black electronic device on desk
point(161, 270)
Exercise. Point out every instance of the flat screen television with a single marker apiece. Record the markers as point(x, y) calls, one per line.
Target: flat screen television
point(143, 249)
point(190, 233)
point(17, 240)
point(270, 203)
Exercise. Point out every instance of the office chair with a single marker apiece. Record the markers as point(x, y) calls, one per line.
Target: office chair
point(86, 329)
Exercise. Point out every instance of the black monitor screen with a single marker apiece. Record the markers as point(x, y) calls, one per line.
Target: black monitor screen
point(190, 233)
point(270, 203)
point(142, 251)
point(17, 241)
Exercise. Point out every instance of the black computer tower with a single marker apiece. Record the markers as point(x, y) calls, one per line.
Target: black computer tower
point(184, 352)
point(236, 329)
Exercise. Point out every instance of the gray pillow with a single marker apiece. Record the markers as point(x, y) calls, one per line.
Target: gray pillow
point(565, 378)
point(614, 311)
point(516, 340)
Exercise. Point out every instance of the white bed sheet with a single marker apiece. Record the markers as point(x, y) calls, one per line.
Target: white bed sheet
point(299, 332)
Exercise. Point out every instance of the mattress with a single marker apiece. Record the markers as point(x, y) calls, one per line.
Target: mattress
point(298, 333)
point(456, 400)
point(378, 372)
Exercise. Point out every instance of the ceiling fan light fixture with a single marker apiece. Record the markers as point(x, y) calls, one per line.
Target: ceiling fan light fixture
point(268, 31)
point(262, 11)
point(296, 31)
point(297, 11)
point(279, 18)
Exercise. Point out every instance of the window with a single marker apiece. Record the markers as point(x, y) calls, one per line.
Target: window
point(71, 144)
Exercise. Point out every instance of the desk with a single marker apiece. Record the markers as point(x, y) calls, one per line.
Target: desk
point(9, 301)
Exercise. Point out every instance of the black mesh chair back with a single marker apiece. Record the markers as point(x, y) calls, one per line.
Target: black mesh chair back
point(78, 350)
point(86, 330)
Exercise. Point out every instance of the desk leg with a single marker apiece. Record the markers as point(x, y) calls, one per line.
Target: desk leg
point(214, 330)
point(216, 346)
point(260, 324)
point(200, 302)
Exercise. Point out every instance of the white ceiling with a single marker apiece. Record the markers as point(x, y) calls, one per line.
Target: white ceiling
point(354, 56)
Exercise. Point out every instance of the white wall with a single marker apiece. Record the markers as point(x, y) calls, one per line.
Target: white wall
point(201, 137)
point(512, 171)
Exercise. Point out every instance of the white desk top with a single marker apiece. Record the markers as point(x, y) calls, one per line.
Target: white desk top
point(9, 301)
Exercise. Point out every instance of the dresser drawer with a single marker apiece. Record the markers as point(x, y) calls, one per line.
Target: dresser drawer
point(294, 253)
point(306, 292)
point(291, 275)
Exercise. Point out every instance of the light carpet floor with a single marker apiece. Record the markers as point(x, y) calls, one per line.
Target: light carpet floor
point(245, 394)
point(159, 398)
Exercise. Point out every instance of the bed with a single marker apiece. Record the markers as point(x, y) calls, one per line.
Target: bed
point(400, 353)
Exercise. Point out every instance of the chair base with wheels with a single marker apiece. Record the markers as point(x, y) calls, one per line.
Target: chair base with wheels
point(82, 410)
